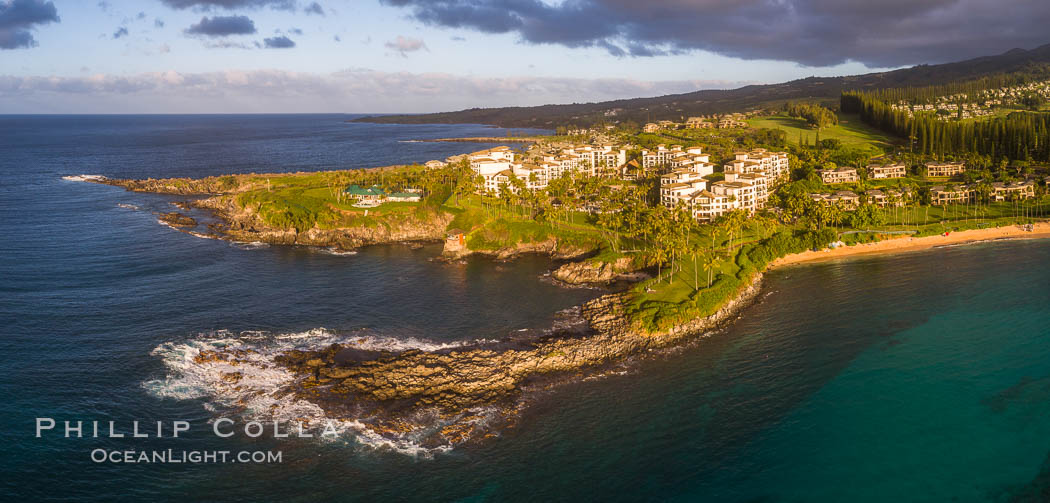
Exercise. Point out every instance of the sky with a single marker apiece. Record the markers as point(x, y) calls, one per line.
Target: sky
point(372, 56)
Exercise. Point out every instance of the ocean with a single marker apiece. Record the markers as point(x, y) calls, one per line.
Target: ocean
point(918, 377)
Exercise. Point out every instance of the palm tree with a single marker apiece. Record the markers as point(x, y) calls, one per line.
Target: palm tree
point(710, 264)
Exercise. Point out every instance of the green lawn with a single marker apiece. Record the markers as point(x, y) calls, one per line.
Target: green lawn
point(850, 131)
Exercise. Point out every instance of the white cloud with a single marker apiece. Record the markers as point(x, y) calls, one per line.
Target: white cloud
point(353, 90)
point(404, 45)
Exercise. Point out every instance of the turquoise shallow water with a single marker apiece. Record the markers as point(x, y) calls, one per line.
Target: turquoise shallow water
point(919, 377)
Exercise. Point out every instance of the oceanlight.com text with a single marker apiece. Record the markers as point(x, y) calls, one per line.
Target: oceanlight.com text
point(172, 456)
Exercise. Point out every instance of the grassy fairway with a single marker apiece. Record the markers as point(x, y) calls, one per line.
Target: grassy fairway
point(850, 130)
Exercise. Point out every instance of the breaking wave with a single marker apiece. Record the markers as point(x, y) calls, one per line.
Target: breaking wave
point(337, 252)
point(237, 372)
point(83, 178)
point(253, 245)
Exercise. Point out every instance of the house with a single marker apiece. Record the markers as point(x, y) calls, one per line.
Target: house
point(631, 170)
point(435, 164)
point(838, 175)
point(366, 198)
point(651, 127)
point(944, 169)
point(887, 171)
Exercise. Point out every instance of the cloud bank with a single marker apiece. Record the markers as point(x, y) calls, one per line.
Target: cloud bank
point(282, 91)
point(221, 26)
point(18, 17)
point(883, 33)
point(229, 4)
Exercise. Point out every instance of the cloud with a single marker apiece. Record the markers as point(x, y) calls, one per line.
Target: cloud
point(221, 26)
point(227, 44)
point(336, 38)
point(314, 8)
point(354, 90)
point(295, 31)
point(158, 23)
point(886, 33)
point(230, 4)
point(121, 32)
point(404, 45)
point(281, 42)
point(18, 17)
point(140, 16)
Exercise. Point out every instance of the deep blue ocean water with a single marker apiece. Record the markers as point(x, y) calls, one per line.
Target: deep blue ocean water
point(919, 377)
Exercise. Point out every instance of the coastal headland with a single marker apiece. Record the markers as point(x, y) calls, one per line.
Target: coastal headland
point(476, 388)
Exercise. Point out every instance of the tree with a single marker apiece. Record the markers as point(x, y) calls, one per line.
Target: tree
point(710, 264)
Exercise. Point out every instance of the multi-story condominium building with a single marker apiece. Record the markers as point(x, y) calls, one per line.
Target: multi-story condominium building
point(698, 123)
point(838, 175)
point(673, 194)
point(940, 194)
point(887, 171)
point(774, 164)
point(677, 157)
point(659, 157)
point(759, 181)
point(707, 205)
point(884, 199)
point(599, 158)
point(944, 169)
point(845, 199)
point(729, 122)
point(491, 161)
point(1005, 191)
point(680, 175)
point(495, 181)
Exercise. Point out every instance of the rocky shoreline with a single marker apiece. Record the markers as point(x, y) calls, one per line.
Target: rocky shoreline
point(454, 384)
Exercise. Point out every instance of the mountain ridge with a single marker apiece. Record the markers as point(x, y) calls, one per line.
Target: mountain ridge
point(711, 101)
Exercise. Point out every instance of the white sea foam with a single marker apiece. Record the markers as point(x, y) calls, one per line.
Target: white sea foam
point(337, 252)
point(202, 235)
point(127, 206)
point(246, 379)
point(84, 178)
point(254, 245)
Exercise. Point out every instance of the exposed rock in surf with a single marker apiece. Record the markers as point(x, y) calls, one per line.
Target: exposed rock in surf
point(591, 272)
point(178, 219)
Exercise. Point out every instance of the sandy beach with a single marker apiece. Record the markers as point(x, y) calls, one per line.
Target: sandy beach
point(906, 244)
